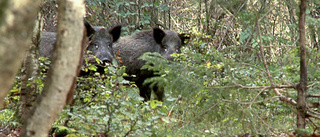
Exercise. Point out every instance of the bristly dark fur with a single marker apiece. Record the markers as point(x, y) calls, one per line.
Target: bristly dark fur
point(100, 45)
point(132, 47)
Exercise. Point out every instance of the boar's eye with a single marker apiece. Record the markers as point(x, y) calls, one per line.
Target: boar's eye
point(165, 48)
point(110, 45)
point(96, 46)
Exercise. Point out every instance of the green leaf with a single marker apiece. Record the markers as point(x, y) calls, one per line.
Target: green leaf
point(153, 104)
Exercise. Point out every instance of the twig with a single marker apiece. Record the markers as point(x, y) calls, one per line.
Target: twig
point(312, 112)
point(312, 84)
point(313, 96)
point(313, 116)
point(267, 87)
point(131, 128)
point(245, 103)
point(209, 109)
point(225, 32)
point(263, 121)
point(256, 97)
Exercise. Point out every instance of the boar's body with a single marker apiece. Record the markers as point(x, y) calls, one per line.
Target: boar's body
point(47, 44)
point(100, 44)
point(132, 47)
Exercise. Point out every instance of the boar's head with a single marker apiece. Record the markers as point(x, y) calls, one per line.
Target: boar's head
point(170, 41)
point(100, 45)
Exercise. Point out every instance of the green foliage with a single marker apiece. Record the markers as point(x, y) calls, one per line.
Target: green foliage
point(134, 15)
point(105, 106)
point(7, 118)
point(214, 89)
point(62, 131)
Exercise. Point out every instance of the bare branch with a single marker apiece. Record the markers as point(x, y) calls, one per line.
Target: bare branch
point(256, 97)
point(267, 87)
point(312, 84)
point(282, 98)
point(314, 105)
point(313, 96)
point(313, 114)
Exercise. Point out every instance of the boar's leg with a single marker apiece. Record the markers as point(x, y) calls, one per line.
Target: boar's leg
point(159, 91)
point(145, 90)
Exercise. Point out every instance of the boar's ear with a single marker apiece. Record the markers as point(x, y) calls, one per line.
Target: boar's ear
point(158, 35)
point(115, 32)
point(90, 30)
point(184, 38)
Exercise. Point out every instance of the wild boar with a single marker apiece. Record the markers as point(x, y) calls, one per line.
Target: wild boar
point(100, 45)
point(130, 48)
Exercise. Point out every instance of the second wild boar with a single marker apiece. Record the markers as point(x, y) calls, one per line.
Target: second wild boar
point(130, 48)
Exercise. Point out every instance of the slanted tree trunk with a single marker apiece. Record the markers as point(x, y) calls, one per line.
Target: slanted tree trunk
point(302, 87)
point(62, 73)
point(30, 71)
point(16, 25)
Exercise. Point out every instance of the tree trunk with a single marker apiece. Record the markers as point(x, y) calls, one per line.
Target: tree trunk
point(30, 71)
point(199, 17)
point(15, 30)
point(302, 87)
point(207, 17)
point(65, 62)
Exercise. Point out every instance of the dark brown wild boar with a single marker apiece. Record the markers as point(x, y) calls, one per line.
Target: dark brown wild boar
point(132, 47)
point(100, 44)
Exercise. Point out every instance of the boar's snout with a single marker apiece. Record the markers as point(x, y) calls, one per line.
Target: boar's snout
point(106, 61)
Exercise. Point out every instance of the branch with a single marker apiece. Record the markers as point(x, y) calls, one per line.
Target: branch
point(313, 96)
point(256, 97)
point(312, 84)
point(313, 114)
point(131, 128)
point(267, 87)
point(314, 105)
point(282, 98)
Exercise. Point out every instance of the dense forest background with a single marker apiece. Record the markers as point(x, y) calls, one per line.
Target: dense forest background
point(238, 75)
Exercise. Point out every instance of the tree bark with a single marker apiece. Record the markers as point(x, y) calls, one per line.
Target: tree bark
point(30, 71)
point(302, 87)
point(65, 62)
point(15, 30)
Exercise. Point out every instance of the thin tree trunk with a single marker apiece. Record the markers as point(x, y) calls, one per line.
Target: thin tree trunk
point(16, 25)
point(65, 62)
point(169, 14)
point(207, 17)
point(199, 17)
point(292, 21)
point(165, 16)
point(302, 87)
point(31, 64)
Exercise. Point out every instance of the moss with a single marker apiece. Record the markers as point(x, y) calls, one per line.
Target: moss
point(62, 131)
